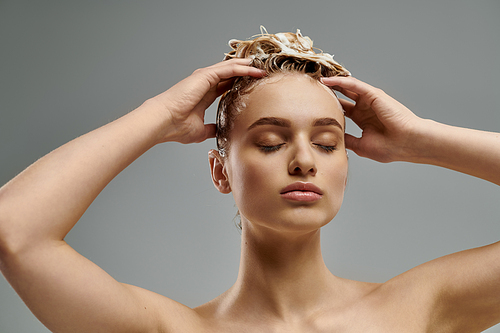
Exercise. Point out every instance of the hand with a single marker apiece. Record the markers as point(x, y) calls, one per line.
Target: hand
point(387, 125)
point(186, 102)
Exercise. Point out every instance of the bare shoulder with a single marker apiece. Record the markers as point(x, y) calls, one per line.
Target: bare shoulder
point(460, 291)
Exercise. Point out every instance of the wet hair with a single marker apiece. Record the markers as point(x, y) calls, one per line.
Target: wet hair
point(279, 53)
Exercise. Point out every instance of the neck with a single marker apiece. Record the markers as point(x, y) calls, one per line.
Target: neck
point(282, 275)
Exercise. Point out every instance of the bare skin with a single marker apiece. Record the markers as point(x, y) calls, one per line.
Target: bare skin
point(283, 283)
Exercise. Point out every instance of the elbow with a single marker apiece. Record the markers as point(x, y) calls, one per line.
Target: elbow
point(10, 240)
point(3, 232)
point(11, 228)
point(17, 232)
point(7, 245)
point(12, 244)
point(3, 224)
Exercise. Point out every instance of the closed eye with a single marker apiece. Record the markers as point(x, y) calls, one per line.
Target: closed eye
point(268, 149)
point(326, 148)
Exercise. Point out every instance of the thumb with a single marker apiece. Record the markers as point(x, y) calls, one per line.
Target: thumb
point(210, 131)
point(351, 142)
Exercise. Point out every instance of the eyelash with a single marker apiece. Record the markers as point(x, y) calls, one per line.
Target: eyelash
point(269, 149)
point(328, 149)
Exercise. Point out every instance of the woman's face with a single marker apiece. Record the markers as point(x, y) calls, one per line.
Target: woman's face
point(287, 165)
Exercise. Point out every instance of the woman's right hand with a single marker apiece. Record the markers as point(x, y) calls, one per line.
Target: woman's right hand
point(185, 103)
point(62, 288)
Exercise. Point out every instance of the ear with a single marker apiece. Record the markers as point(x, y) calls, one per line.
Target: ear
point(218, 172)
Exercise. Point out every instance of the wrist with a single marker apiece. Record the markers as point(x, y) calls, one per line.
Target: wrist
point(426, 142)
point(157, 113)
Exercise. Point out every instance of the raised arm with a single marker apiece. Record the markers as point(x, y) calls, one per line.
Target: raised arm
point(67, 292)
point(460, 292)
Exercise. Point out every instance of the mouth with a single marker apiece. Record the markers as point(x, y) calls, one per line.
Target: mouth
point(301, 191)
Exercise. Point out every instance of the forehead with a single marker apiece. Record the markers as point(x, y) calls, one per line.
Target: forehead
point(296, 97)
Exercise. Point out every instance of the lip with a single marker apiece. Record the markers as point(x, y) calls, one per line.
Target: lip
point(301, 191)
point(302, 186)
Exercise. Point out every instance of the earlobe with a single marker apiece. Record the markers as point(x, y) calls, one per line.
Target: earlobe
point(218, 172)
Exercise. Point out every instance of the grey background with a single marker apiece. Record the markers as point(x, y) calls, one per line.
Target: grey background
point(68, 67)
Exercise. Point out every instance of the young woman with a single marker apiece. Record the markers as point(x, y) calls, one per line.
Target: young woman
point(282, 153)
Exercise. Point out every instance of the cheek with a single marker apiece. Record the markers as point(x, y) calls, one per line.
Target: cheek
point(250, 179)
point(249, 174)
point(336, 177)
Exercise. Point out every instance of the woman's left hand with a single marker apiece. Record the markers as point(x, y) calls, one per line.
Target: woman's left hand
point(387, 125)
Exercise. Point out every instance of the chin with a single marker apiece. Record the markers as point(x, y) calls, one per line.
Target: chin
point(298, 220)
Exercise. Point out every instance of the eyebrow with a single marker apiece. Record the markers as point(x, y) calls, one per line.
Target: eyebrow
point(271, 121)
point(286, 123)
point(327, 122)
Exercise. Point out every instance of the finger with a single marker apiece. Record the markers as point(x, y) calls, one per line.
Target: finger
point(348, 83)
point(236, 67)
point(239, 70)
point(240, 61)
point(351, 142)
point(221, 88)
point(217, 75)
point(224, 86)
point(347, 106)
point(210, 130)
point(347, 93)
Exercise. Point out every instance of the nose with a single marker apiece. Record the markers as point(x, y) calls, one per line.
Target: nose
point(302, 161)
